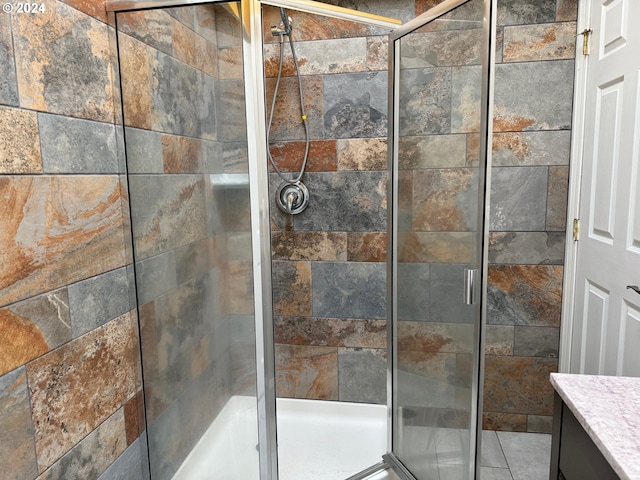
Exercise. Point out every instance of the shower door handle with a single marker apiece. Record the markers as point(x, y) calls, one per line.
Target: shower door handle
point(470, 285)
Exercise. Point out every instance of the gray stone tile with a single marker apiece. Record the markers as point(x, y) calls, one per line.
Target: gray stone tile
point(229, 29)
point(167, 211)
point(155, 276)
point(130, 465)
point(212, 157)
point(72, 145)
point(413, 291)
point(192, 260)
point(467, 16)
point(185, 315)
point(536, 341)
point(355, 105)
point(242, 328)
point(425, 101)
point(184, 100)
point(97, 300)
point(567, 10)
point(185, 15)
point(243, 368)
point(360, 197)
point(17, 447)
point(144, 151)
point(121, 149)
point(447, 295)
point(78, 77)
point(166, 456)
point(400, 9)
point(491, 451)
point(8, 82)
point(539, 423)
point(152, 27)
point(466, 99)
point(362, 375)
point(526, 248)
point(432, 151)
point(548, 88)
point(349, 290)
point(90, 457)
point(522, 12)
point(557, 198)
point(499, 44)
point(528, 454)
point(499, 340)
point(516, 195)
point(442, 49)
point(531, 148)
point(235, 157)
point(235, 210)
point(321, 57)
point(232, 117)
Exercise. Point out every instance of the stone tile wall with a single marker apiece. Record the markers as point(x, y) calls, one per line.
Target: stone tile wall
point(184, 125)
point(70, 387)
point(65, 224)
point(439, 115)
point(323, 292)
point(329, 272)
point(531, 150)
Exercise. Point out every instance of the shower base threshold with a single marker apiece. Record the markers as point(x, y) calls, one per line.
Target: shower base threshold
point(317, 440)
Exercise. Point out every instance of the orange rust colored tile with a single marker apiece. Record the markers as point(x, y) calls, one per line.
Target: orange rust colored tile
point(21, 341)
point(181, 154)
point(515, 142)
point(322, 156)
point(367, 247)
point(94, 8)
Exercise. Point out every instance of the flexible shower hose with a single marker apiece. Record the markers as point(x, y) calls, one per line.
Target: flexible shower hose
point(302, 112)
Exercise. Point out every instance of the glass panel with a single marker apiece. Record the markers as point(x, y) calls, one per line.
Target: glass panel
point(186, 145)
point(439, 182)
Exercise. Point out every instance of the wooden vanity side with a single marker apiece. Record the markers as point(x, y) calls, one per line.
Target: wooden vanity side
point(574, 456)
point(556, 432)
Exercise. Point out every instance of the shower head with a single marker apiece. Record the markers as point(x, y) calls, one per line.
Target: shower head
point(285, 27)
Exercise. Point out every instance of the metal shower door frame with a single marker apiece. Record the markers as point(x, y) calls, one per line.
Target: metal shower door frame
point(250, 15)
point(486, 128)
point(261, 223)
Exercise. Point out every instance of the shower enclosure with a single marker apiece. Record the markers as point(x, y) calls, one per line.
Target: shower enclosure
point(193, 96)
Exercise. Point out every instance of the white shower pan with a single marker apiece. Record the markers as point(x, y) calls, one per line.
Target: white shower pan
point(317, 440)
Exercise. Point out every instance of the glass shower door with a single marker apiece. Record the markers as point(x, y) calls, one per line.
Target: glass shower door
point(184, 109)
point(440, 87)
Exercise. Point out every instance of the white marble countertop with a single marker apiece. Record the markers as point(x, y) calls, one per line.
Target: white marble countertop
point(608, 408)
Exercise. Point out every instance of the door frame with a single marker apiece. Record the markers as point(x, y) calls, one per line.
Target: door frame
point(575, 176)
point(486, 135)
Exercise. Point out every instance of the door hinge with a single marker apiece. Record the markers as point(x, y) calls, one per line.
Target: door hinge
point(586, 35)
point(576, 229)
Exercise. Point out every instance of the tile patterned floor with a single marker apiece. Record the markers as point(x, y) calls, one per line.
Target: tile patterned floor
point(515, 456)
point(505, 456)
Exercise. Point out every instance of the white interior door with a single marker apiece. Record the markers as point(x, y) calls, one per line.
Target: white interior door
point(606, 327)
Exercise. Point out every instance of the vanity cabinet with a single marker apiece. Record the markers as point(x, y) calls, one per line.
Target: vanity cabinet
point(596, 428)
point(574, 456)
